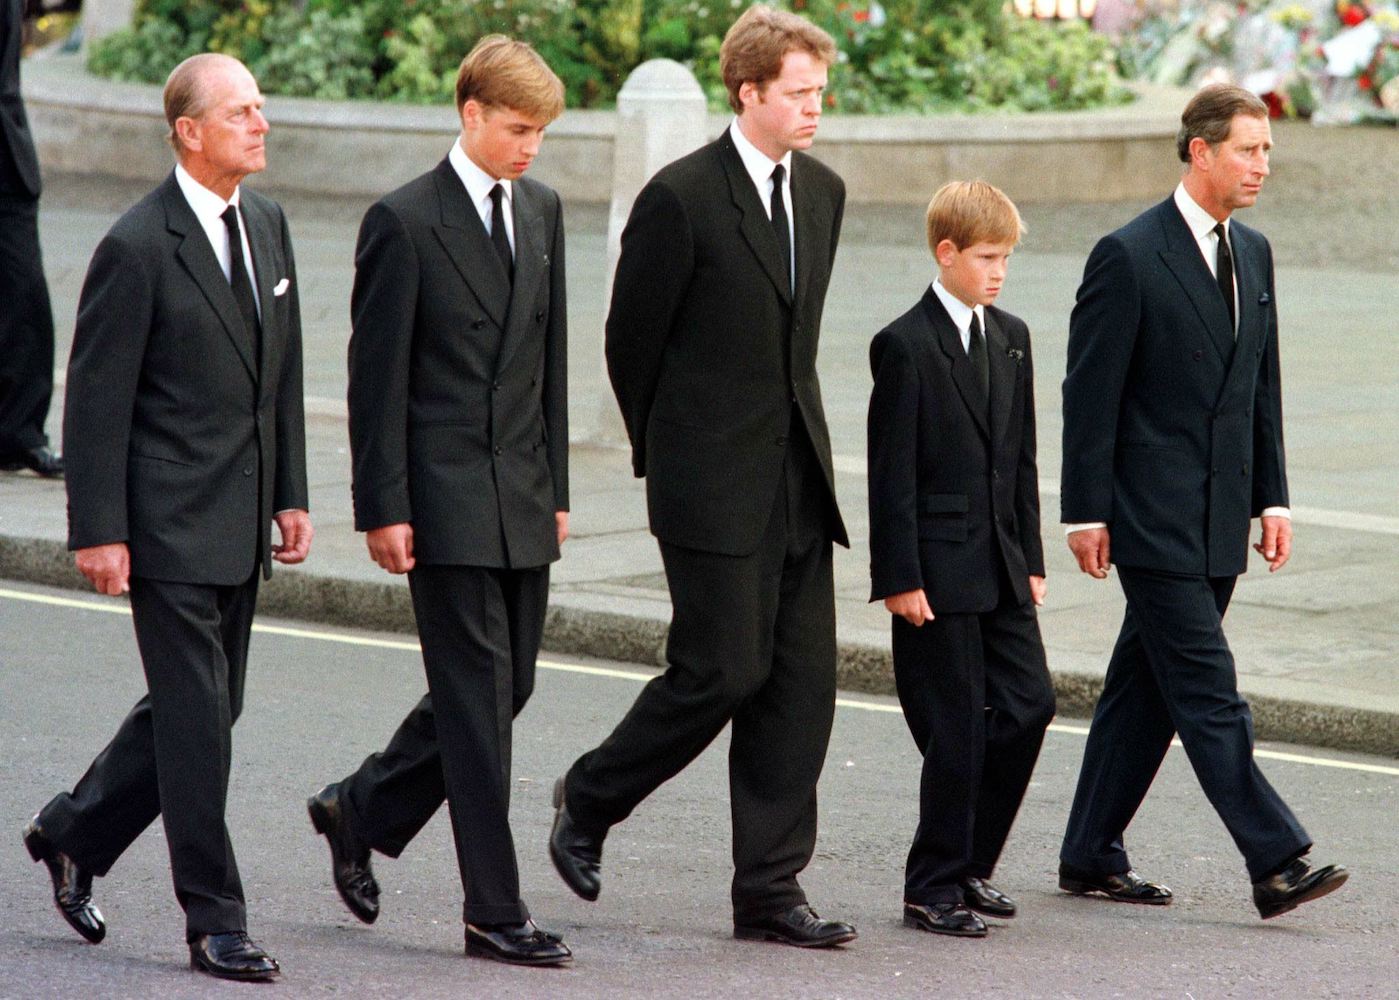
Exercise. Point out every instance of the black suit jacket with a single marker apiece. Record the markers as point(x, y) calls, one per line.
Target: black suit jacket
point(1172, 429)
point(176, 441)
point(710, 353)
point(954, 496)
point(19, 166)
point(458, 395)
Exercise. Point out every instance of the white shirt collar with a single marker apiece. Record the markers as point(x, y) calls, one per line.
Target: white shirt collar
point(756, 162)
point(1200, 222)
point(478, 183)
point(959, 311)
point(208, 207)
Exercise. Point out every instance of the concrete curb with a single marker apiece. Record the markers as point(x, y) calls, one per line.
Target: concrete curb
point(860, 667)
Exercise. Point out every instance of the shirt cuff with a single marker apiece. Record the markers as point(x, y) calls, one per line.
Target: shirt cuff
point(1276, 512)
point(1069, 529)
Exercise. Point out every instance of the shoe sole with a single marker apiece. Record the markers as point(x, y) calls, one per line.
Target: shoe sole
point(490, 954)
point(1077, 888)
point(320, 822)
point(237, 977)
point(918, 925)
point(759, 934)
point(1317, 891)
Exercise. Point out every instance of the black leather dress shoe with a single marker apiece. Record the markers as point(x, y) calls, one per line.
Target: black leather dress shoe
point(517, 944)
point(984, 898)
point(1124, 887)
point(349, 859)
point(944, 918)
point(577, 854)
point(41, 460)
point(72, 886)
point(232, 956)
point(1296, 884)
point(799, 926)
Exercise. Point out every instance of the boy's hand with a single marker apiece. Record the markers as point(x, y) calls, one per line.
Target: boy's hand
point(912, 606)
point(1038, 588)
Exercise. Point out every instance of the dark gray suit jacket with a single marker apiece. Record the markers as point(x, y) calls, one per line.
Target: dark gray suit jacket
point(954, 496)
point(1172, 428)
point(19, 166)
point(176, 440)
point(708, 348)
point(458, 395)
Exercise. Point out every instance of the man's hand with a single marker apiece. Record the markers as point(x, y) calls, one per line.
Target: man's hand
point(296, 531)
point(107, 566)
point(1276, 546)
point(1038, 588)
point(561, 525)
point(912, 606)
point(392, 546)
point(1091, 548)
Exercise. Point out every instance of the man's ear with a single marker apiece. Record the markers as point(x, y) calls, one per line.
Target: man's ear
point(187, 131)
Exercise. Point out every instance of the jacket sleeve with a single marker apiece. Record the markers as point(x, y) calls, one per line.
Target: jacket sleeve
point(383, 307)
point(1269, 467)
point(652, 274)
point(1027, 480)
point(115, 309)
point(556, 366)
point(289, 489)
point(892, 449)
point(1102, 335)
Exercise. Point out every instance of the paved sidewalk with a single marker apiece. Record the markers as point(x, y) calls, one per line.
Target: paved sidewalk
point(1317, 645)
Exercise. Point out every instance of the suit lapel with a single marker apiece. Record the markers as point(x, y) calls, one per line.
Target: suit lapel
point(812, 226)
point(266, 272)
point(197, 256)
point(464, 237)
point(755, 224)
point(950, 341)
point(531, 262)
point(1250, 287)
point(1003, 371)
point(1182, 256)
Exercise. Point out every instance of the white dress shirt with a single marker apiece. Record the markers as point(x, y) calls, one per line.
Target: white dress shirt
point(759, 167)
point(1201, 225)
point(208, 209)
point(478, 185)
point(961, 314)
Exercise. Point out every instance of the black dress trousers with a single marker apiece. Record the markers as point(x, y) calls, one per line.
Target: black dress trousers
point(172, 754)
point(1172, 672)
point(26, 325)
point(752, 642)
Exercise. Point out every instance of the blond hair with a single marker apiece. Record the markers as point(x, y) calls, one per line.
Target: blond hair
point(500, 72)
point(755, 45)
point(972, 212)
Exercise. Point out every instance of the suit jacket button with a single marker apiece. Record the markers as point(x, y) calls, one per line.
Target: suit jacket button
point(476, 324)
point(781, 439)
point(539, 316)
point(499, 450)
point(495, 386)
point(1198, 355)
point(247, 470)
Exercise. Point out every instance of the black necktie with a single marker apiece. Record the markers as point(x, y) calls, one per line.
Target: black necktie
point(976, 352)
point(1224, 272)
point(779, 222)
point(499, 239)
point(240, 282)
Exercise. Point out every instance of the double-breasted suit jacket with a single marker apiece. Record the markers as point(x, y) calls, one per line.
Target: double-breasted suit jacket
point(708, 349)
point(968, 507)
point(1172, 426)
point(458, 402)
point(183, 435)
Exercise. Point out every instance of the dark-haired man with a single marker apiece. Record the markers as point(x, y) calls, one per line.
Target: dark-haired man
point(1172, 443)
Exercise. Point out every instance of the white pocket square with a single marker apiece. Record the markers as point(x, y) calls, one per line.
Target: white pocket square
point(282, 287)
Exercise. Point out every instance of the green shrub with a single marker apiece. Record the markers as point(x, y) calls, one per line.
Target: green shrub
point(901, 55)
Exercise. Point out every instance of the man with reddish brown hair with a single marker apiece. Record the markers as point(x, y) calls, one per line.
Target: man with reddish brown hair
point(711, 347)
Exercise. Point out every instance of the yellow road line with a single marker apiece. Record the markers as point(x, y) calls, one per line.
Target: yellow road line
point(120, 607)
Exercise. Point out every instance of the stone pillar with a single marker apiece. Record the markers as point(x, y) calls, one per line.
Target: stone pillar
point(661, 116)
point(102, 17)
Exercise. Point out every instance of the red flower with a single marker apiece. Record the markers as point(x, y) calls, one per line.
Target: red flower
point(1352, 13)
point(861, 16)
point(1365, 82)
point(1275, 105)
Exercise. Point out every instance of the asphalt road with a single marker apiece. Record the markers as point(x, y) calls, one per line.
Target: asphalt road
point(319, 700)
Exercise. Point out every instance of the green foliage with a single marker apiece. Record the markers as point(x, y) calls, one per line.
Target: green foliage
point(901, 55)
